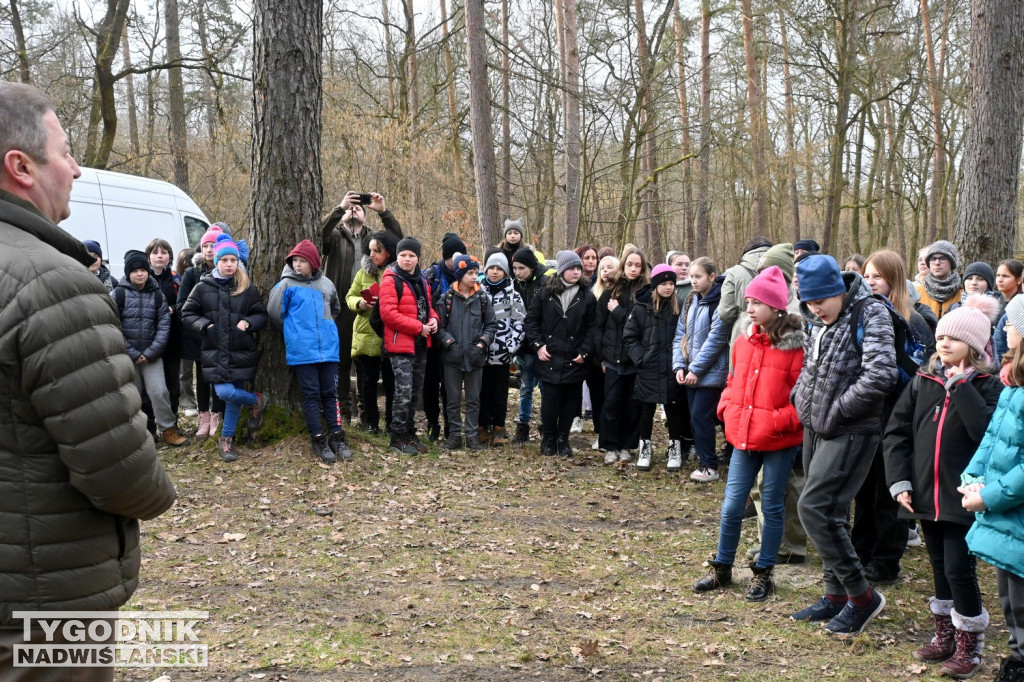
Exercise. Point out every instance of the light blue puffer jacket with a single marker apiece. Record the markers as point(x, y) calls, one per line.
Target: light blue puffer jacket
point(305, 308)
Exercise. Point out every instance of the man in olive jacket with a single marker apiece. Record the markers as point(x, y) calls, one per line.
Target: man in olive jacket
point(77, 466)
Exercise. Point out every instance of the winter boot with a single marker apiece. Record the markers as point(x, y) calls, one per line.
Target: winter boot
point(256, 412)
point(453, 442)
point(499, 436)
point(322, 450)
point(204, 426)
point(643, 458)
point(522, 433)
point(548, 444)
point(969, 638)
point(942, 645)
point(1010, 670)
point(412, 439)
point(215, 418)
point(173, 437)
point(675, 456)
point(761, 585)
point(719, 575)
point(564, 449)
point(433, 432)
point(226, 447)
point(339, 446)
point(483, 434)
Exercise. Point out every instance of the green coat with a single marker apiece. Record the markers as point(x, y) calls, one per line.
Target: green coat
point(77, 466)
point(364, 340)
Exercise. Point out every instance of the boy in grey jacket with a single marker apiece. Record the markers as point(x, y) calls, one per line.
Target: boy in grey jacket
point(849, 369)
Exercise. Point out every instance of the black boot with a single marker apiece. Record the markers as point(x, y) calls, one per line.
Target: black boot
point(1011, 670)
point(433, 432)
point(548, 445)
point(564, 449)
point(322, 450)
point(336, 442)
point(761, 585)
point(522, 434)
point(718, 576)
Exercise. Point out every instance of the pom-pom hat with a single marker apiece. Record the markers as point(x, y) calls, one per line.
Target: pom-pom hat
point(970, 323)
point(770, 288)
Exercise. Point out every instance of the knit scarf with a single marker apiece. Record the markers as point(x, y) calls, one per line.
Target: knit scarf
point(565, 298)
point(942, 290)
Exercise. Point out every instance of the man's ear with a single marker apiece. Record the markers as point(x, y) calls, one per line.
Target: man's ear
point(17, 169)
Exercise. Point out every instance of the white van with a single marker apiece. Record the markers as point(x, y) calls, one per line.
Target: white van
point(124, 212)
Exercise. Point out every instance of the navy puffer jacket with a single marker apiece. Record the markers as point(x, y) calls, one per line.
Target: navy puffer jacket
point(145, 318)
point(228, 353)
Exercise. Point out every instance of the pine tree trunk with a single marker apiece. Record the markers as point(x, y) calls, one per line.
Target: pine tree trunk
point(506, 118)
point(794, 195)
point(480, 123)
point(287, 185)
point(20, 47)
point(453, 112)
point(758, 135)
point(129, 82)
point(684, 124)
point(573, 142)
point(704, 163)
point(985, 218)
point(176, 95)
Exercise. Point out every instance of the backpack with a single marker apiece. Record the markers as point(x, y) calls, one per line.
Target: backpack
point(376, 322)
point(909, 349)
point(448, 304)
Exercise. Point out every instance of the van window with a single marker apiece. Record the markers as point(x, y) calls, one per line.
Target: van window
point(194, 229)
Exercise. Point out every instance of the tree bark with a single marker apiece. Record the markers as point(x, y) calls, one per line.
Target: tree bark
point(681, 36)
point(847, 36)
point(790, 115)
point(287, 183)
point(20, 47)
point(938, 178)
point(409, 57)
point(650, 197)
point(985, 217)
point(700, 247)
point(506, 121)
point(573, 142)
point(480, 123)
point(453, 112)
point(99, 142)
point(758, 135)
point(129, 82)
point(176, 96)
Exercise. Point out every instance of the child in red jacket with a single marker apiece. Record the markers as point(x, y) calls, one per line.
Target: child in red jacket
point(409, 320)
point(762, 426)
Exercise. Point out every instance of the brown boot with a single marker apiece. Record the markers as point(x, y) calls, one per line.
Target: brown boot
point(942, 645)
point(969, 638)
point(483, 434)
point(498, 436)
point(173, 437)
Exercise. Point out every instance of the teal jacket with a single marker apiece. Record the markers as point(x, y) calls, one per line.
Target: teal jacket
point(997, 535)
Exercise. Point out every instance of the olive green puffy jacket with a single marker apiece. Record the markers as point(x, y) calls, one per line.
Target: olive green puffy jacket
point(364, 340)
point(77, 467)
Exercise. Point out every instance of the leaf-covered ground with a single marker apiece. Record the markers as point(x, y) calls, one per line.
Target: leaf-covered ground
point(501, 565)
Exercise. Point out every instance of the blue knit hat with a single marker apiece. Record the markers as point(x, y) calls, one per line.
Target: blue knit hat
point(463, 262)
point(819, 277)
point(224, 247)
point(93, 246)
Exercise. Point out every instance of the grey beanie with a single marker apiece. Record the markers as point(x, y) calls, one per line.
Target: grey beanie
point(1015, 313)
point(983, 270)
point(565, 260)
point(517, 225)
point(947, 249)
point(497, 259)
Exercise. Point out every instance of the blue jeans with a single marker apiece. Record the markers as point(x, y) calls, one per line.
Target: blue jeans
point(743, 468)
point(234, 396)
point(527, 382)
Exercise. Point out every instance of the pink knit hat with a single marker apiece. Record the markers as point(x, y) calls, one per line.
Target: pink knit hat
point(210, 236)
point(662, 273)
point(971, 322)
point(770, 288)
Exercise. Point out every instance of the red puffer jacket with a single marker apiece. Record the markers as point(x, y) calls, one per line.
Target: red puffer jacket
point(755, 403)
point(400, 313)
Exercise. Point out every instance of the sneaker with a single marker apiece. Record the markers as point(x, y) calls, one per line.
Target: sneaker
point(577, 425)
point(173, 437)
point(336, 442)
point(321, 450)
point(611, 457)
point(913, 537)
point(474, 444)
point(189, 412)
point(453, 442)
point(675, 456)
point(852, 620)
point(625, 456)
point(704, 475)
point(877, 576)
point(643, 458)
point(596, 446)
point(823, 609)
point(226, 448)
point(416, 443)
point(433, 432)
point(256, 413)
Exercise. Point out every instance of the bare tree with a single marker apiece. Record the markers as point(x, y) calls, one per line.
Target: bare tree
point(700, 244)
point(758, 132)
point(480, 123)
point(21, 48)
point(176, 96)
point(573, 142)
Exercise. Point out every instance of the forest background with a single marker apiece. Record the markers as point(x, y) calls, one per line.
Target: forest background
point(701, 122)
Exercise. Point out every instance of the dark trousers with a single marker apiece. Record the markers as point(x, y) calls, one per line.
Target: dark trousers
point(370, 369)
point(559, 405)
point(621, 412)
point(878, 534)
point(318, 390)
point(172, 377)
point(703, 403)
point(595, 384)
point(494, 396)
point(11, 638)
point(433, 388)
point(345, 320)
point(1011, 598)
point(675, 418)
point(954, 568)
point(206, 397)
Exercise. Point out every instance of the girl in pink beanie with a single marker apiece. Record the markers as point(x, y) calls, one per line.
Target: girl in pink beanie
point(762, 426)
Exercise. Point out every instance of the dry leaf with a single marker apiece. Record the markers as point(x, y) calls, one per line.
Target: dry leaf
point(589, 648)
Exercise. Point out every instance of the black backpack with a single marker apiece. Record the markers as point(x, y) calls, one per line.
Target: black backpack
point(376, 323)
point(910, 352)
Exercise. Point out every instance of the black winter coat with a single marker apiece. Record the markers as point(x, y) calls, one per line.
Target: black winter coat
point(566, 334)
point(610, 325)
point(228, 353)
point(191, 346)
point(529, 290)
point(145, 320)
point(168, 282)
point(471, 323)
point(930, 439)
point(648, 338)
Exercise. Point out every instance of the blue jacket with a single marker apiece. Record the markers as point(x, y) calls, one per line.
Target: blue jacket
point(997, 535)
point(145, 318)
point(305, 308)
point(701, 344)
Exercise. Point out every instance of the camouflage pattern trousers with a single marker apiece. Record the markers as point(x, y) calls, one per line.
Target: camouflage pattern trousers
point(408, 371)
